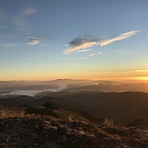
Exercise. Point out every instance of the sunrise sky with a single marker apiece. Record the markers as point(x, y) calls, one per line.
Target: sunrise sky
point(73, 39)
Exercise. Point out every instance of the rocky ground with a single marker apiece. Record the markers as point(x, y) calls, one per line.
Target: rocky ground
point(52, 126)
point(51, 132)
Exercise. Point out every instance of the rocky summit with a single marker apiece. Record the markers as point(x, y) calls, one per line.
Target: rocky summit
point(51, 132)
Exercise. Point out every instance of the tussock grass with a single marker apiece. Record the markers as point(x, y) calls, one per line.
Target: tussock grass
point(108, 122)
point(11, 113)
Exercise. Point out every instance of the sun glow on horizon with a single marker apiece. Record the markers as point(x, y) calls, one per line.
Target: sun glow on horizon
point(143, 78)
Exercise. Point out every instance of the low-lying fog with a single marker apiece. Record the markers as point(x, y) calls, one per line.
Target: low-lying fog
point(32, 88)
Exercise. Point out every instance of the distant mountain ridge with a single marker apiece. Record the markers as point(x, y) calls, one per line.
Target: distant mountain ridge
point(72, 85)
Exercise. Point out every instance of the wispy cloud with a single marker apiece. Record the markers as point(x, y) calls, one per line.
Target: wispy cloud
point(2, 27)
point(81, 43)
point(2, 16)
point(141, 70)
point(4, 36)
point(146, 35)
point(34, 39)
point(128, 52)
point(72, 58)
point(8, 45)
point(118, 38)
point(28, 12)
point(84, 50)
point(94, 54)
point(21, 21)
point(76, 48)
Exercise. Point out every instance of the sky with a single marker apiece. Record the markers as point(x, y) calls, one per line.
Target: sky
point(73, 39)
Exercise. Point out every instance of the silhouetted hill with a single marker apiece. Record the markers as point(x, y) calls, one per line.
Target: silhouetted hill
point(15, 100)
point(122, 107)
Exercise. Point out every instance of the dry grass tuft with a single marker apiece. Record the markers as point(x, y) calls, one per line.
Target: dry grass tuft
point(108, 122)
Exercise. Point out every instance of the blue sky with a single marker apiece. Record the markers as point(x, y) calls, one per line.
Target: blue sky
point(89, 39)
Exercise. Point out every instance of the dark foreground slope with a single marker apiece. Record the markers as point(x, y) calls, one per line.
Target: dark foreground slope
point(61, 128)
point(48, 132)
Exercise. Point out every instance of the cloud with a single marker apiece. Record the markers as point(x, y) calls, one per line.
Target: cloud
point(118, 38)
point(8, 45)
point(84, 50)
point(2, 27)
point(2, 16)
point(78, 41)
point(142, 70)
point(94, 54)
point(6, 36)
point(28, 12)
point(128, 52)
point(72, 58)
point(146, 35)
point(34, 40)
point(21, 21)
point(76, 48)
point(81, 42)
